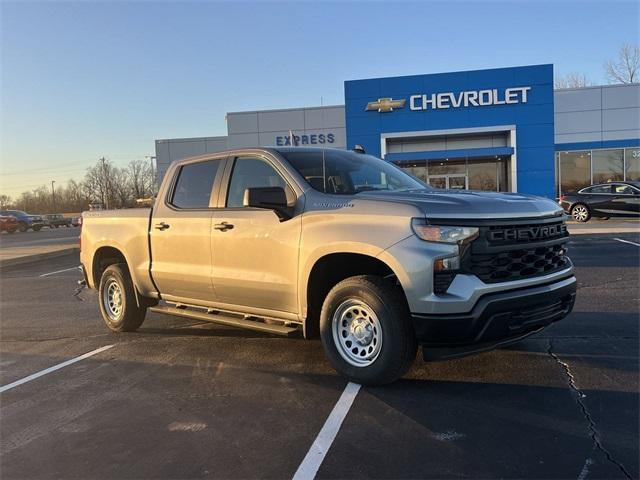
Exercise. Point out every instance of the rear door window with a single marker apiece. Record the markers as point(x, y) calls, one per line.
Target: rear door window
point(194, 186)
point(622, 189)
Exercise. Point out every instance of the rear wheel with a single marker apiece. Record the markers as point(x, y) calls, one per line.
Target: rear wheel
point(580, 212)
point(23, 227)
point(36, 229)
point(118, 304)
point(366, 330)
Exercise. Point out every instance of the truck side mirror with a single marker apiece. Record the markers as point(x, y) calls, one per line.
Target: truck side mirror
point(272, 198)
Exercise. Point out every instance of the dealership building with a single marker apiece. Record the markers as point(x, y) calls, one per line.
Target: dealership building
point(503, 129)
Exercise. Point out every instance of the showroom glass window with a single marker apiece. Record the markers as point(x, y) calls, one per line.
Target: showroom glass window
point(632, 164)
point(575, 170)
point(608, 165)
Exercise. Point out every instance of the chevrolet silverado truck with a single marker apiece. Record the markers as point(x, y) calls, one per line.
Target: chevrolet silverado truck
point(336, 244)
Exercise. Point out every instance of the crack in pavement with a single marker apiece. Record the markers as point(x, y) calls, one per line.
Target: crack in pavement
point(595, 435)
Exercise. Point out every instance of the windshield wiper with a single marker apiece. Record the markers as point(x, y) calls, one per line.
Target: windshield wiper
point(369, 188)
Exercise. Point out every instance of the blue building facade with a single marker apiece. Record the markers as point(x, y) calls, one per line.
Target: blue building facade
point(488, 129)
point(502, 129)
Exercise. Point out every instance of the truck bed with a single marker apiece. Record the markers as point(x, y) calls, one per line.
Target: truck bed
point(126, 230)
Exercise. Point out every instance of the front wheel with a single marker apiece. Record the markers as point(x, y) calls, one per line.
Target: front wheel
point(366, 330)
point(36, 229)
point(117, 297)
point(580, 213)
point(23, 227)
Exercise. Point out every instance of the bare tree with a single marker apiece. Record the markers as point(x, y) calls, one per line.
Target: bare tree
point(572, 80)
point(5, 201)
point(103, 183)
point(121, 189)
point(626, 69)
point(99, 183)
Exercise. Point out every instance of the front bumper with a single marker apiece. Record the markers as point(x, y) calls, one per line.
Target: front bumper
point(496, 319)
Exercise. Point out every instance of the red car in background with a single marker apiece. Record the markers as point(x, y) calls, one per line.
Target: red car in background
point(8, 223)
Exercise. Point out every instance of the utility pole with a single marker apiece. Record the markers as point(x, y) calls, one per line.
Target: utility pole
point(107, 183)
point(53, 196)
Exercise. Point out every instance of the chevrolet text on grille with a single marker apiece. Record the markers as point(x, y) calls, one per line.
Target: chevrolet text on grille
point(528, 233)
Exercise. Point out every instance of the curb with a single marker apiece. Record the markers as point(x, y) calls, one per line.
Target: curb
point(600, 231)
point(36, 257)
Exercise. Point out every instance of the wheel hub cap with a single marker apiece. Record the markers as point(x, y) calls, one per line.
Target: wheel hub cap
point(362, 331)
point(112, 299)
point(357, 333)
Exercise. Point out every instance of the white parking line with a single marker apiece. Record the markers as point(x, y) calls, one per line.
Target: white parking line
point(312, 461)
point(627, 241)
point(54, 368)
point(59, 271)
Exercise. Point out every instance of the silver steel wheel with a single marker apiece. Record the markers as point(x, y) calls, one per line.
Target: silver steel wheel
point(112, 299)
point(580, 213)
point(357, 333)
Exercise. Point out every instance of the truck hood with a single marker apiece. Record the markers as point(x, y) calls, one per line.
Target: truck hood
point(438, 203)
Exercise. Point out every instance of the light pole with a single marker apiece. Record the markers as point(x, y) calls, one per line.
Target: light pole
point(53, 195)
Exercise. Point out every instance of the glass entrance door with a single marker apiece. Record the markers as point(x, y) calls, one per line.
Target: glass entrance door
point(478, 173)
point(437, 181)
point(454, 182)
point(457, 182)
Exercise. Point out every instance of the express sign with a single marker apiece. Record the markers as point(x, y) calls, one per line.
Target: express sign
point(470, 98)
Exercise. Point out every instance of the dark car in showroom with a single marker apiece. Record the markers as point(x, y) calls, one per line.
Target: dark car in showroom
point(8, 223)
point(25, 221)
point(604, 200)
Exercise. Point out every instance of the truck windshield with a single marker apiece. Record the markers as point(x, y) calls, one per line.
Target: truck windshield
point(346, 173)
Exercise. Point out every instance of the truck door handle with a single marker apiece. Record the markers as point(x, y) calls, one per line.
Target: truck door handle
point(162, 226)
point(223, 227)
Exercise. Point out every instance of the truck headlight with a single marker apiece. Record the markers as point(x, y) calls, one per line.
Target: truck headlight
point(443, 233)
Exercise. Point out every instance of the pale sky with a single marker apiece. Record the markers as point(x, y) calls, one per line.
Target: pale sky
point(81, 80)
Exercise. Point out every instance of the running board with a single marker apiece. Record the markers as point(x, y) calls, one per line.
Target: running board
point(231, 320)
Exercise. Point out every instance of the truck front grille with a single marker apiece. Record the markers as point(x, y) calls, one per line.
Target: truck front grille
point(517, 249)
point(517, 264)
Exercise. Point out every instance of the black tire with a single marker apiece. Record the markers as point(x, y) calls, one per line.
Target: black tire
point(11, 230)
point(128, 317)
point(23, 227)
point(398, 344)
point(36, 229)
point(580, 212)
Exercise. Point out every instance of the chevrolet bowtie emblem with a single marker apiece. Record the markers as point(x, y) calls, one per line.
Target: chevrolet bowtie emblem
point(385, 105)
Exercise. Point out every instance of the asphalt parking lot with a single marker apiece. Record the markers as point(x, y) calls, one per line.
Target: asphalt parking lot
point(46, 236)
point(182, 399)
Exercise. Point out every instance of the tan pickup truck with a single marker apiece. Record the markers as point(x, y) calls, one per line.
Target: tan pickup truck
point(337, 244)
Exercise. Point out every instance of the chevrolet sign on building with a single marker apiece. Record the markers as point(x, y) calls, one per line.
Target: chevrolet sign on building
point(471, 98)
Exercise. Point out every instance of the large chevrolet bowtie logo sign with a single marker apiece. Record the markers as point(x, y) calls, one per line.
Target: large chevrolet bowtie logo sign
point(385, 105)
